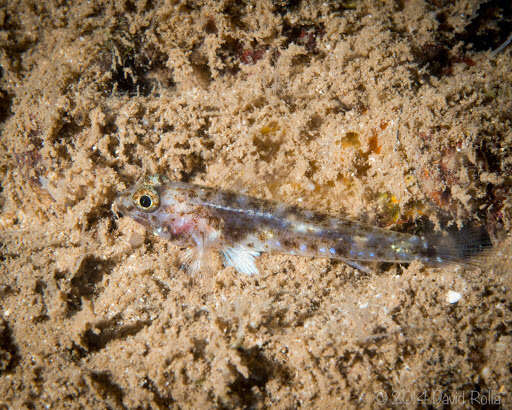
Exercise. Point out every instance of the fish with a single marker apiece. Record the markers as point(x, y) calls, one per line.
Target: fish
point(242, 227)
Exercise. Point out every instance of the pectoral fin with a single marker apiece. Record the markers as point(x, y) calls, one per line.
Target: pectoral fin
point(241, 258)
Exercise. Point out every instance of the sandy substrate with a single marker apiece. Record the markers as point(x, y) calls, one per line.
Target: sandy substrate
point(389, 112)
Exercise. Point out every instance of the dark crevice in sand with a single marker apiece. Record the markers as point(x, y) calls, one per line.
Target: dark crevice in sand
point(75, 353)
point(283, 7)
point(5, 105)
point(108, 330)
point(303, 34)
point(489, 27)
point(136, 69)
point(193, 165)
point(162, 401)
point(88, 275)
point(9, 354)
point(107, 388)
point(261, 370)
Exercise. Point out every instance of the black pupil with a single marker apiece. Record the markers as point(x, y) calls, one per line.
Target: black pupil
point(145, 201)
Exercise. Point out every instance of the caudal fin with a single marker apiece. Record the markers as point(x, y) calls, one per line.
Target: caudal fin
point(469, 246)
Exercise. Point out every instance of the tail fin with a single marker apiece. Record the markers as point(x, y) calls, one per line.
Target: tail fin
point(470, 246)
point(471, 241)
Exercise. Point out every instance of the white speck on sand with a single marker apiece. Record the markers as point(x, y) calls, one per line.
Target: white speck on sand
point(453, 297)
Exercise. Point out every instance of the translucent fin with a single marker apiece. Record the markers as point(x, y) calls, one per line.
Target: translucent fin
point(498, 258)
point(195, 260)
point(360, 266)
point(241, 258)
point(200, 257)
point(192, 259)
point(469, 246)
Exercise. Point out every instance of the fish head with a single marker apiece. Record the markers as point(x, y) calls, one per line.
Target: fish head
point(161, 206)
point(141, 202)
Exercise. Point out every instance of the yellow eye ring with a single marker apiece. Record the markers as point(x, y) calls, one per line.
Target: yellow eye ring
point(146, 199)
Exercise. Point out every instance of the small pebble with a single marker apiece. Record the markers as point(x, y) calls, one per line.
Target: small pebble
point(453, 297)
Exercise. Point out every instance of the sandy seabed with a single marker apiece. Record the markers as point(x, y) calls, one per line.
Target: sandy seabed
point(391, 112)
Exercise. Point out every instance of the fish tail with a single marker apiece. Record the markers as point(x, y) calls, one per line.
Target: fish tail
point(470, 246)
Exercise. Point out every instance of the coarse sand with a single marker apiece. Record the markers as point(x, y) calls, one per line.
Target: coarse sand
point(395, 113)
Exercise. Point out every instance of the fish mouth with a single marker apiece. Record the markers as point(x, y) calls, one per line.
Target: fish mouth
point(124, 206)
point(121, 206)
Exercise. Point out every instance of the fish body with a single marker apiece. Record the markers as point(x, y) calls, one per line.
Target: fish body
point(241, 227)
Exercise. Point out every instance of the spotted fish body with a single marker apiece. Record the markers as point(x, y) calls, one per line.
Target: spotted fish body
point(242, 227)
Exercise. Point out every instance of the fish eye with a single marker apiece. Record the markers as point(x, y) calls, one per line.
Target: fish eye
point(146, 199)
